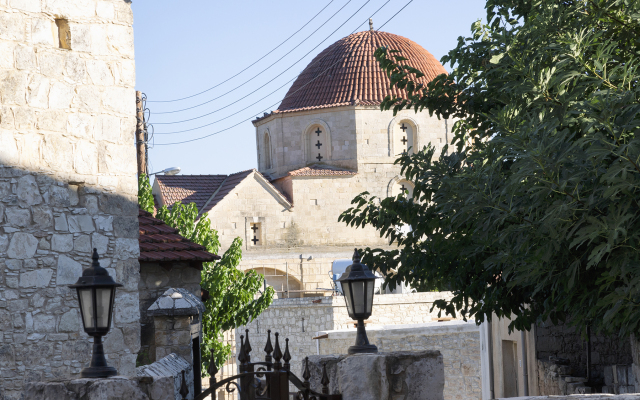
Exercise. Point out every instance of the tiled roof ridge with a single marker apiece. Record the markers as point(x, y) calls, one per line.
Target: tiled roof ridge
point(320, 170)
point(160, 242)
point(346, 73)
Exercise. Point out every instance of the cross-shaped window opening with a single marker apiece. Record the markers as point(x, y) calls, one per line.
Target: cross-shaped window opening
point(255, 234)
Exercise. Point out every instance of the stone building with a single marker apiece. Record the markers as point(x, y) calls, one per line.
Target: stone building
point(67, 182)
point(326, 143)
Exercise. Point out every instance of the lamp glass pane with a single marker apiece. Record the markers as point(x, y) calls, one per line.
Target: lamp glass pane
point(358, 297)
point(103, 301)
point(346, 288)
point(86, 306)
point(370, 288)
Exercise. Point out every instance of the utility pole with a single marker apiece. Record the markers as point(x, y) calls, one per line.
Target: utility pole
point(141, 142)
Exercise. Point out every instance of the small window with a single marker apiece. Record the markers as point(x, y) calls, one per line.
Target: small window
point(233, 225)
point(313, 202)
point(255, 234)
point(64, 34)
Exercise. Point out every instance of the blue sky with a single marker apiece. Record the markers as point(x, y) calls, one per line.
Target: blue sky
point(186, 47)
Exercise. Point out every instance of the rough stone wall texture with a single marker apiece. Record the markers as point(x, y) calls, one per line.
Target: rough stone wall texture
point(67, 184)
point(565, 342)
point(140, 388)
point(300, 320)
point(154, 281)
point(401, 375)
point(173, 335)
point(460, 353)
point(170, 366)
point(555, 379)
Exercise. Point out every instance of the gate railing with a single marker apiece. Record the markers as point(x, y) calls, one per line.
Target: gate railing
point(267, 380)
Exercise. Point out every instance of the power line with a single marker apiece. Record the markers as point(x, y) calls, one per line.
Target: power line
point(394, 15)
point(267, 83)
point(264, 70)
point(302, 87)
point(251, 65)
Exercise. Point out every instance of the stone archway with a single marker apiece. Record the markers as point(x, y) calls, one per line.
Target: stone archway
point(286, 285)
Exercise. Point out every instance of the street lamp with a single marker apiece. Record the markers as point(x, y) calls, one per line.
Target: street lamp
point(96, 291)
point(358, 284)
point(168, 171)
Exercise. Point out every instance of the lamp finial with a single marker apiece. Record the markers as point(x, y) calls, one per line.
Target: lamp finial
point(356, 256)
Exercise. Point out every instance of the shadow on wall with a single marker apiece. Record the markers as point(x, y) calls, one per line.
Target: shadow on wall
point(48, 227)
point(563, 341)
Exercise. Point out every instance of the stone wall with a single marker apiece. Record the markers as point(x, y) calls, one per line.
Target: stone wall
point(140, 388)
point(67, 184)
point(301, 320)
point(154, 281)
point(459, 343)
point(401, 375)
point(563, 341)
point(170, 366)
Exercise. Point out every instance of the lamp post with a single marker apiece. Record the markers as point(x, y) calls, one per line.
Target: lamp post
point(358, 284)
point(96, 291)
point(168, 171)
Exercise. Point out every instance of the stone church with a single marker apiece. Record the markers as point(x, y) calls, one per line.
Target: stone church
point(327, 142)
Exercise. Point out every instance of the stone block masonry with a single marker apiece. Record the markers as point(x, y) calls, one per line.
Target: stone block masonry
point(301, 320)
point(457, 341)
point(67, 183)
point(170, 366)
point(398, 375)
point(119, 387)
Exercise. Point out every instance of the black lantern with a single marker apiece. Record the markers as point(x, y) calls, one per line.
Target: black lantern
point(96, 291)
point(358, 284)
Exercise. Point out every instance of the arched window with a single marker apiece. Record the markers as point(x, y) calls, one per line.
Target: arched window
point(404, 137)
point(266, 149)
point(402, 186)
point(317, 144)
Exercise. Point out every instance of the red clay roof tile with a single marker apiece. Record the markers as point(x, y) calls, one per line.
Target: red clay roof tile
point(317, 170)
point(346, 73)
point(188, 188)
point(161, 243)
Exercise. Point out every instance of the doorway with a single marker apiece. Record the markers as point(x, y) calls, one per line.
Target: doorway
point(510, 368)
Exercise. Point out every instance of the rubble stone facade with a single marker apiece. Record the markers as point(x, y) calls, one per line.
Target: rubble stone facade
point(67, 183)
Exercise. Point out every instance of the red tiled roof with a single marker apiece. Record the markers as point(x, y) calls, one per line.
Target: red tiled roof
point(161, 243)
point(209, 195)
point(347, 73)
point(228, 185)
point(188, 188)
point(317, 170)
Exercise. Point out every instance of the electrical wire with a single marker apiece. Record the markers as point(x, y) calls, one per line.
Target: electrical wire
point(267, 83)
point(302, 87)
point(251, 65)
point(394, 15)
point(264, 70)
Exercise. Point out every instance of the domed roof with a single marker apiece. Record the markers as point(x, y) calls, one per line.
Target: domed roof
point(347, 73)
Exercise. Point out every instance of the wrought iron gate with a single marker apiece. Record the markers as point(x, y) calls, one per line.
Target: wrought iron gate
point(266, 380)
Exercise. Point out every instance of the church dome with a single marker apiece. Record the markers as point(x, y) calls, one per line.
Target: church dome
point(347, 73)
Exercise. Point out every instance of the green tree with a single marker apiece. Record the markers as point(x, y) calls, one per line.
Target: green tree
point(235, 297)
point(535, 215)
point(145, 195)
